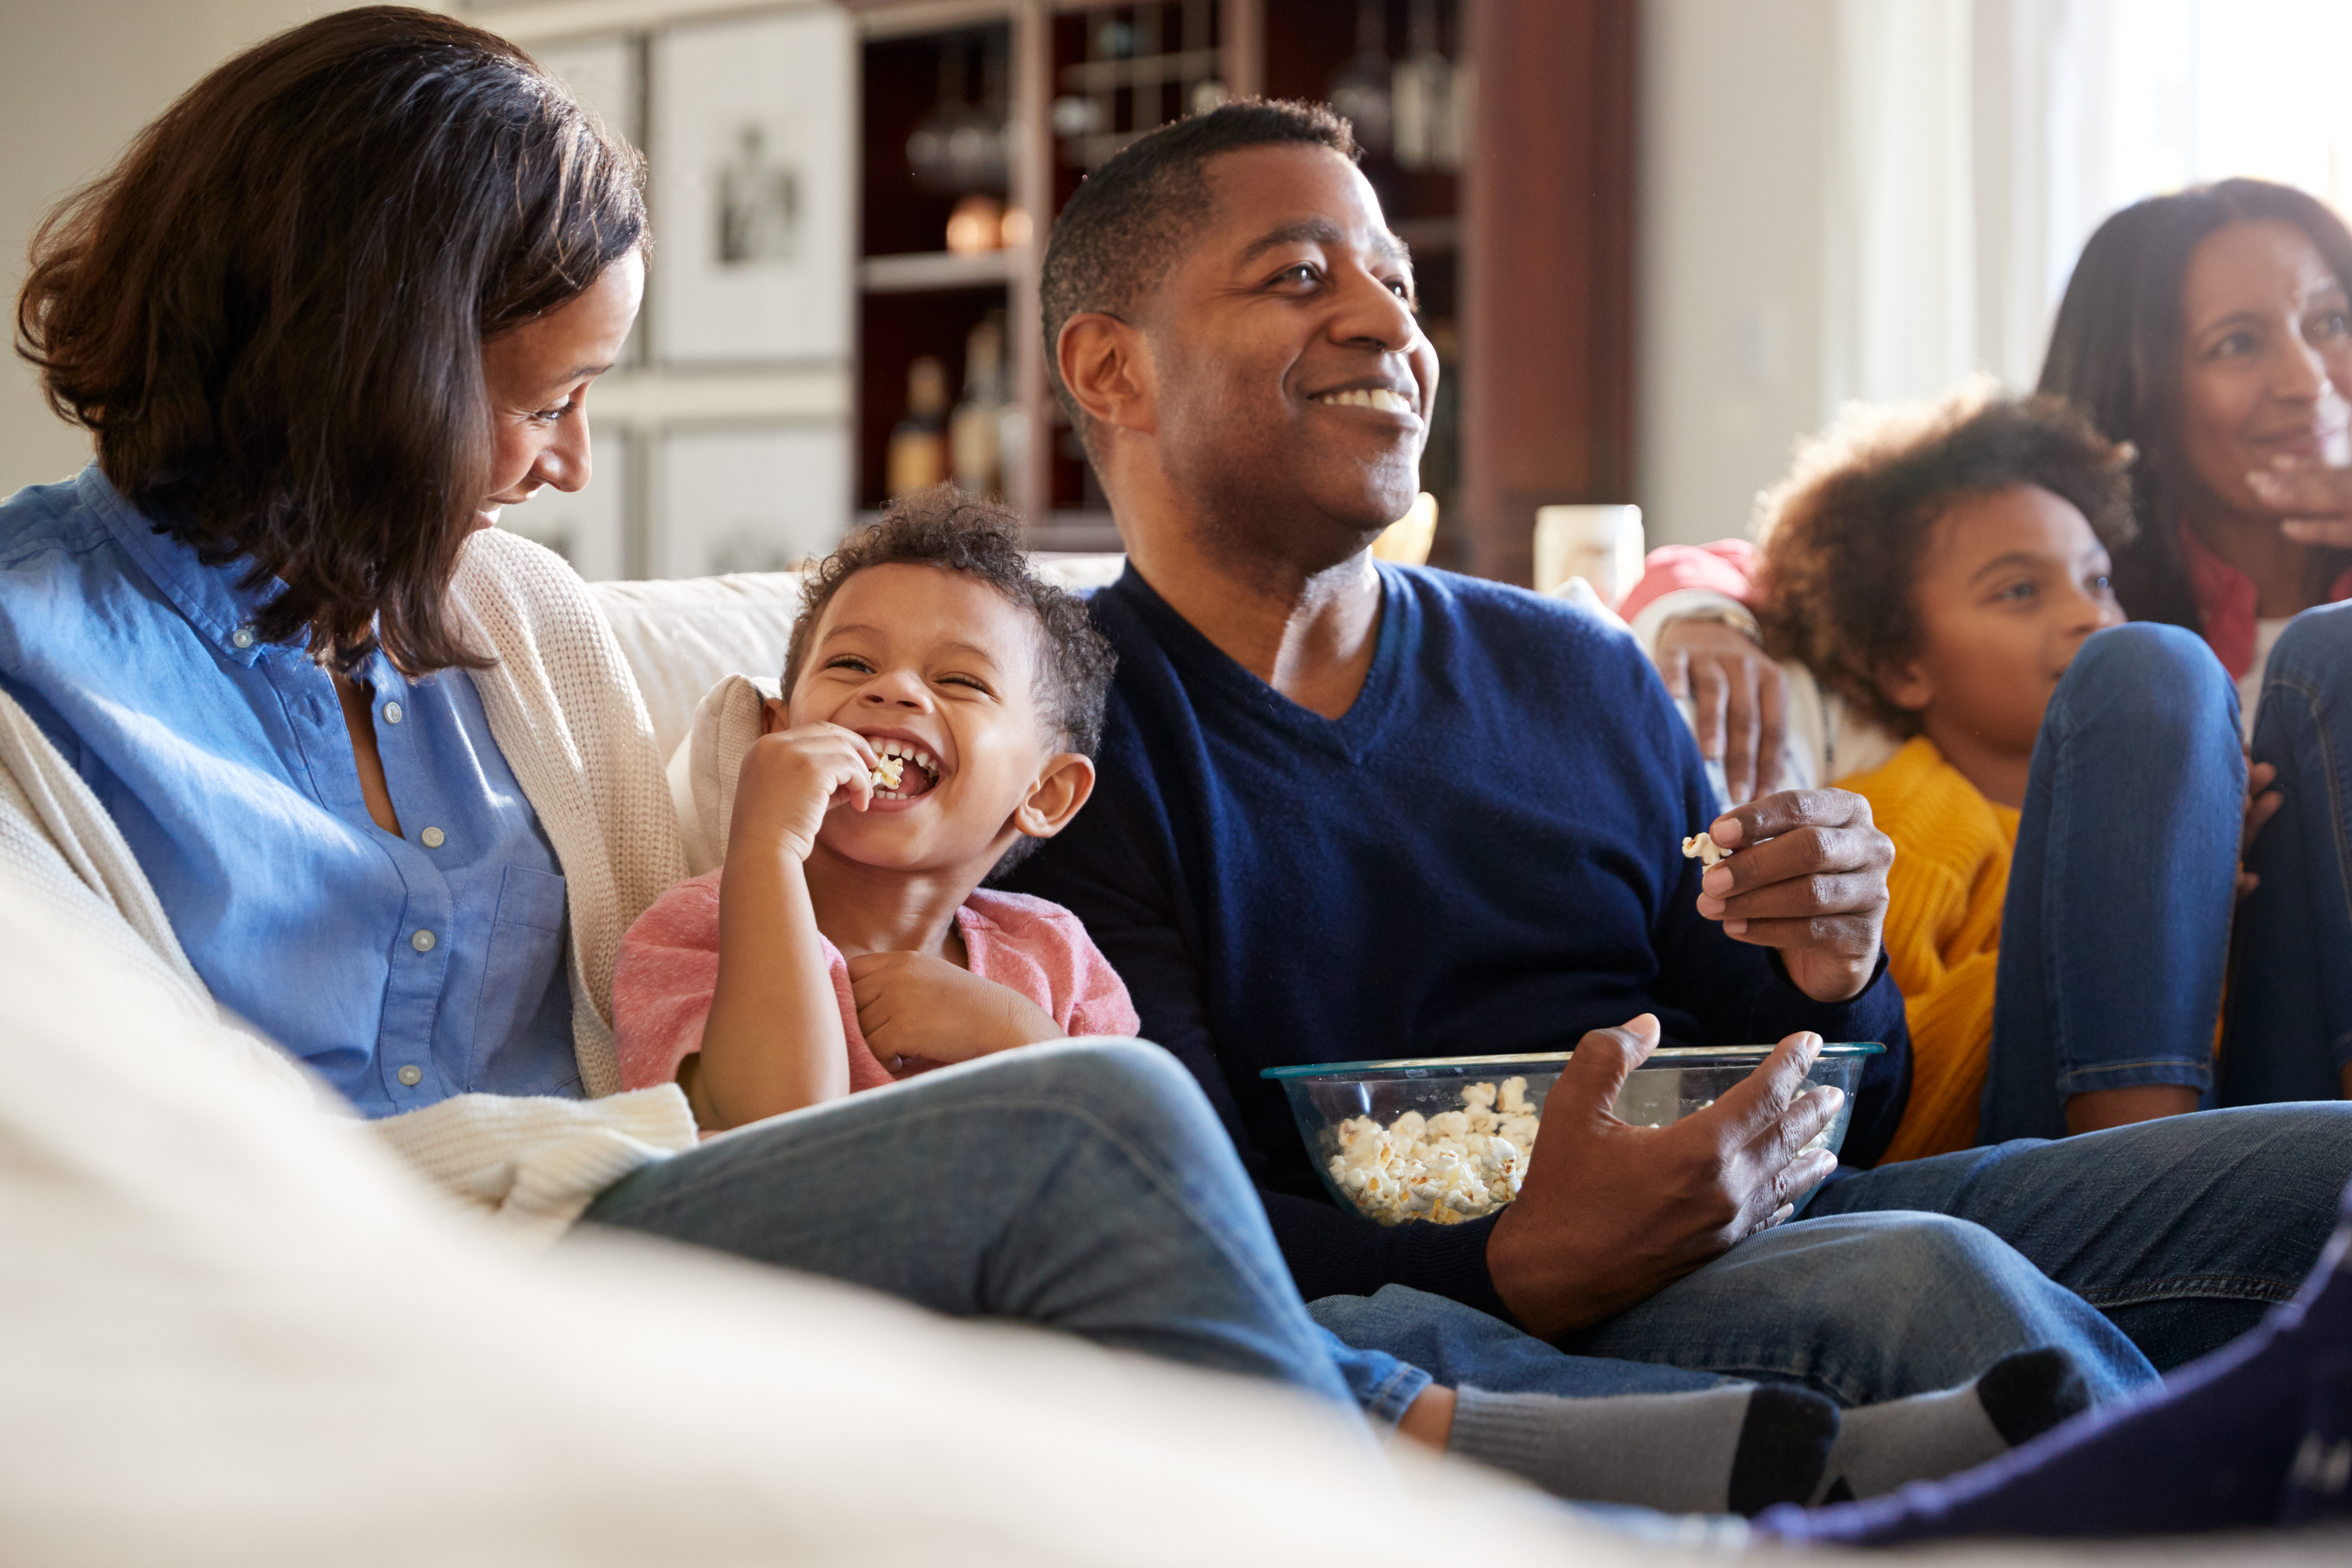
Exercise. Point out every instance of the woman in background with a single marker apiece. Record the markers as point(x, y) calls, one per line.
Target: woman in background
point(2213, 329)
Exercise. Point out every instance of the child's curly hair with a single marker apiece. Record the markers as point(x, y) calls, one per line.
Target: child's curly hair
point(1841, 536)
point(945, 528)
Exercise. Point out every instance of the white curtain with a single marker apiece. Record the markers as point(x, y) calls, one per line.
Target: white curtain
point(1899, 311)
point(1976, 144)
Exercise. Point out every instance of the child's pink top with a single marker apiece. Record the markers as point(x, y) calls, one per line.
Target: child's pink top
point(669, 970)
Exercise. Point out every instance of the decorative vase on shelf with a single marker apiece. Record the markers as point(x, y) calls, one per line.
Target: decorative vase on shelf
point(918, 457)
point(1360, 89)
point(1425, 100)
point(975, 430)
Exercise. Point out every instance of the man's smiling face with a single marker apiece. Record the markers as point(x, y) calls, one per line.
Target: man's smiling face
point(1293, 383)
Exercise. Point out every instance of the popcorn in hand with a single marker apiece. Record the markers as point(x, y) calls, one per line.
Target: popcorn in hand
point(1704, 849)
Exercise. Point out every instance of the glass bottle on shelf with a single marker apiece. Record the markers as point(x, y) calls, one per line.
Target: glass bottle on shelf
point(1425, 100)
point(1359, 90)
point(918, 457)
point(975, 442)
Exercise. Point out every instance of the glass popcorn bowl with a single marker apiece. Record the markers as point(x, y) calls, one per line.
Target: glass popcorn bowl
point(1446, 1167)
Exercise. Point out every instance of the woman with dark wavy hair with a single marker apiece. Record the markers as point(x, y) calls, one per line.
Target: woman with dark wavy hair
point(288, 722)
point(2212, 328)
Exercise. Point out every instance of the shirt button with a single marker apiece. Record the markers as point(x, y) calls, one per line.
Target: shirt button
point(392, 714)
point(242, 636)
point(434, 837)
point(411, 1076)
point(422, 941)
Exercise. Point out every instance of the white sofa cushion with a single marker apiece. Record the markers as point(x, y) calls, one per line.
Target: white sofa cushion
point(681, 637)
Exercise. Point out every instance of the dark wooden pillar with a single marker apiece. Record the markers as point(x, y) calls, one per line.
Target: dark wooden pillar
point(1548, 269)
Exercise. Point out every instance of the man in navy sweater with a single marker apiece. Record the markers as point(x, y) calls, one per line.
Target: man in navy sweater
point(1351, 811)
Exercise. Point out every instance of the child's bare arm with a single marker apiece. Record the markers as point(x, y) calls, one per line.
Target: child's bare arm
point(773, 1040)
point(913, 1004)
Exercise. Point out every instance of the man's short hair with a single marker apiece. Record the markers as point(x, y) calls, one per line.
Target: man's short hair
point(945, 528)
point(1132, 218)
point(1843, 534)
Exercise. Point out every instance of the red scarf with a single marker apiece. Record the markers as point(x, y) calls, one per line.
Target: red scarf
point(2227, 596)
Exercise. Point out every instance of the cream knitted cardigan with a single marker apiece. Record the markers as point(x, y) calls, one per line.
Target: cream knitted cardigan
point(566, 714)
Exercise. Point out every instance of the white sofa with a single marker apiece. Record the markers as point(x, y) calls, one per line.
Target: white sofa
point(235, 1331)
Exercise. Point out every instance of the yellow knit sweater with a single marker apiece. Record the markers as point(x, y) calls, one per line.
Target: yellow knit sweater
point(1952, 848)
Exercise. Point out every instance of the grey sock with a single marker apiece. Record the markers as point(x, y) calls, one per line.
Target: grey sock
point(1881, 1446)
point(1735, 1449)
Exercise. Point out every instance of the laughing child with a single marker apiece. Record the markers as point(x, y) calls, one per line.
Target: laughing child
point(941, 704)
point(2068, 804)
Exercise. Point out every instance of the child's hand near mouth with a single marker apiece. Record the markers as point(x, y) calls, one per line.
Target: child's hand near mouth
point(791, 778)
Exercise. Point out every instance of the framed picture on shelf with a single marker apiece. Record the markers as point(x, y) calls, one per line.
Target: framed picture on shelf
point(603, 74)
point(589, 527)
point(760, 497)
point(753, 123)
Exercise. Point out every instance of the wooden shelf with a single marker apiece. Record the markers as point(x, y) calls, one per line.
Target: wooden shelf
point(925, 304)
point(1430, 235)
point(937, 269)
point(1148, 71)
point(1061, 534)
point(1075, 534)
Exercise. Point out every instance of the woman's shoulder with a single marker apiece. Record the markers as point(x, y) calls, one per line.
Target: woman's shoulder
point(525, 579)
point(48, 521)
point(80, 571)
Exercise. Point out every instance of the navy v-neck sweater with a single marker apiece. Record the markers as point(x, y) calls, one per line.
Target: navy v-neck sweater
point(1483, 855)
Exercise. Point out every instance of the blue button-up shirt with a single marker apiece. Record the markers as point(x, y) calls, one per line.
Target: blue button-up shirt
point(403, 967)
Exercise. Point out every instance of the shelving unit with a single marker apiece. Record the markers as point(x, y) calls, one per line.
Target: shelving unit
point(1522, 232)
point(1080, 80)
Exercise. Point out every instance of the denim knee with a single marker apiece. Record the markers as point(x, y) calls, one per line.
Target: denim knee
point(2152, 679)
point(1131, 1085)
point(2315, 648)
point(1951, 1283)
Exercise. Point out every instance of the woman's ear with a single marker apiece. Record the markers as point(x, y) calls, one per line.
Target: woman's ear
point(1061, 787)
point(1106, 365)
point(774, 715)
point(1907, 685)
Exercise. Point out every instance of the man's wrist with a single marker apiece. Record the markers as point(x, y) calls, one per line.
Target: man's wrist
point(1509, 1265)
point(1788, 977)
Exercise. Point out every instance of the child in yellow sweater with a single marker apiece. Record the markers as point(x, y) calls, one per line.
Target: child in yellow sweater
point(2066, 779)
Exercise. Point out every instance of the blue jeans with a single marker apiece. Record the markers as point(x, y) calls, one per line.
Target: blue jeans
point(1861, 1309)
point(2114, 934)
point(1084, 1187)
point(2290, 1034)
point(1382, 1345)
point(2181, 1231)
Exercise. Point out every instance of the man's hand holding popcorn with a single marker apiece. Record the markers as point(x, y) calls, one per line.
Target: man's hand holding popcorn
point(1806, 874)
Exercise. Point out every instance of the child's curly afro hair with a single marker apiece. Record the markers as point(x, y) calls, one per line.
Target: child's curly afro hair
point(1843, 535)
